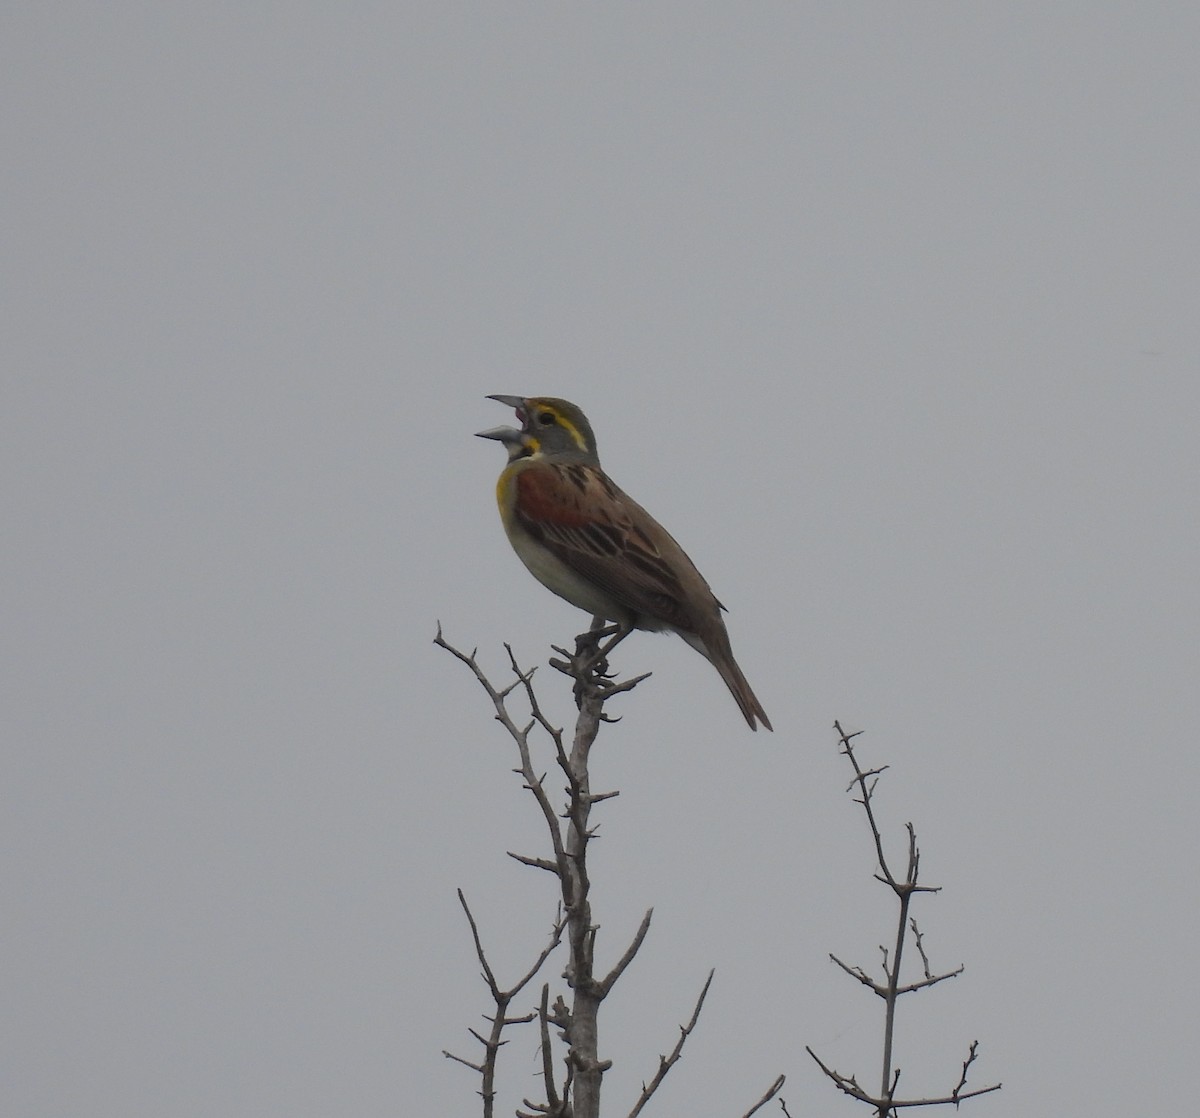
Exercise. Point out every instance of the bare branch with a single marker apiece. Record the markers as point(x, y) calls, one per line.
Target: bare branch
point(665, 1063)
point(488, 976)
point(524, 679)
point(919, 944)
point(460, 1060)
point(845, 1083)
point(556, 932)
point(610, 979)
point(914, 855)
point(552, 1097)
point(772, 1091)
point(594, 684)
point(924, 982)
point(862, 976)
point(536, 863)
point(611, 689)
point(849, 1086)
point(493, 1042)
point(958, 1092)
point(860, 778)
point(931, 979)
point(886, 1102)
point(519, 734)
point(507, 995)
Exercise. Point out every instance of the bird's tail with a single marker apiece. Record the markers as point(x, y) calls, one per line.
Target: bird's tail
point(740, 689)
point(716, 649)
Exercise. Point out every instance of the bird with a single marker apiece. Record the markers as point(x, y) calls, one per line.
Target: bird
point(587, 541)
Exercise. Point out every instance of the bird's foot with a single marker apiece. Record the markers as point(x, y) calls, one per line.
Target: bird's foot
point(588, 665)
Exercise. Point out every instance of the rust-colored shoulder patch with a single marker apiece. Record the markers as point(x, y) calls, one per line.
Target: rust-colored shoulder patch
point(545, 497)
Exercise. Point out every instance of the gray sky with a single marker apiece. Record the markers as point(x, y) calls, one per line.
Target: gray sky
point(888, 312)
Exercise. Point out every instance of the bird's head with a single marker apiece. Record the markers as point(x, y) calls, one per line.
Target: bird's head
point(549, 427)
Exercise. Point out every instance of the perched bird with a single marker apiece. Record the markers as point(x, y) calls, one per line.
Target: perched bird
point(590, 543)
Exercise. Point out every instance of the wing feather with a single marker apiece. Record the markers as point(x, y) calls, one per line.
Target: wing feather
point(609, 539)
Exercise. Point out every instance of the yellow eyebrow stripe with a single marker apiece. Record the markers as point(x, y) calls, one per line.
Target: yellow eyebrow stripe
point(573, 431)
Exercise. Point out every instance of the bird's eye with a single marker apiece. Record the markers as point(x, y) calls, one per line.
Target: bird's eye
point(546, 418)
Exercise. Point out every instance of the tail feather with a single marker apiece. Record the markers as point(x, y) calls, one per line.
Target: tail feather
point(745, 698)
point(718, 652)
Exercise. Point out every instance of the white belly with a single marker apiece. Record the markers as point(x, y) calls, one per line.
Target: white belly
point(558, 578)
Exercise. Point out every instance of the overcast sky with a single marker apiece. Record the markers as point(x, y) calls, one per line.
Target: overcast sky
point(888, 312)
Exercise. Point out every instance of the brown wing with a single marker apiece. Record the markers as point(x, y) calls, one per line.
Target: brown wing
point(607, 537)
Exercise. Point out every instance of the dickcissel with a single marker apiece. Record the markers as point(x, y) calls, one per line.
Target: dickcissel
point(590, 543)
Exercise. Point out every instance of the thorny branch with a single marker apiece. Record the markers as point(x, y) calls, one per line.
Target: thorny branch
point(848, 1085)
point(578, 1095)
point(885, 1102)
point(503, 999)
point(665, 1063)
point(569, 841)
point(770, 1093)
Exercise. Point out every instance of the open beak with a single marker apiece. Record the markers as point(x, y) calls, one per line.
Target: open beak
point(510, 436)
point(507, 435)
point(517, 402)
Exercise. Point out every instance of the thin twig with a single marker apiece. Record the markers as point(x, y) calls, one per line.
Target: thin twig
point(866, 780)
point(547, 1060)
point(862, 976)
point(609, 980)
point(666, 1063)
point(772, 1091)
point(494, 1041)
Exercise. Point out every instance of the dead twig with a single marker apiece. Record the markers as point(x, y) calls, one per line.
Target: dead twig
point(905, 888)
point(666, 1063)
point(502, 998)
